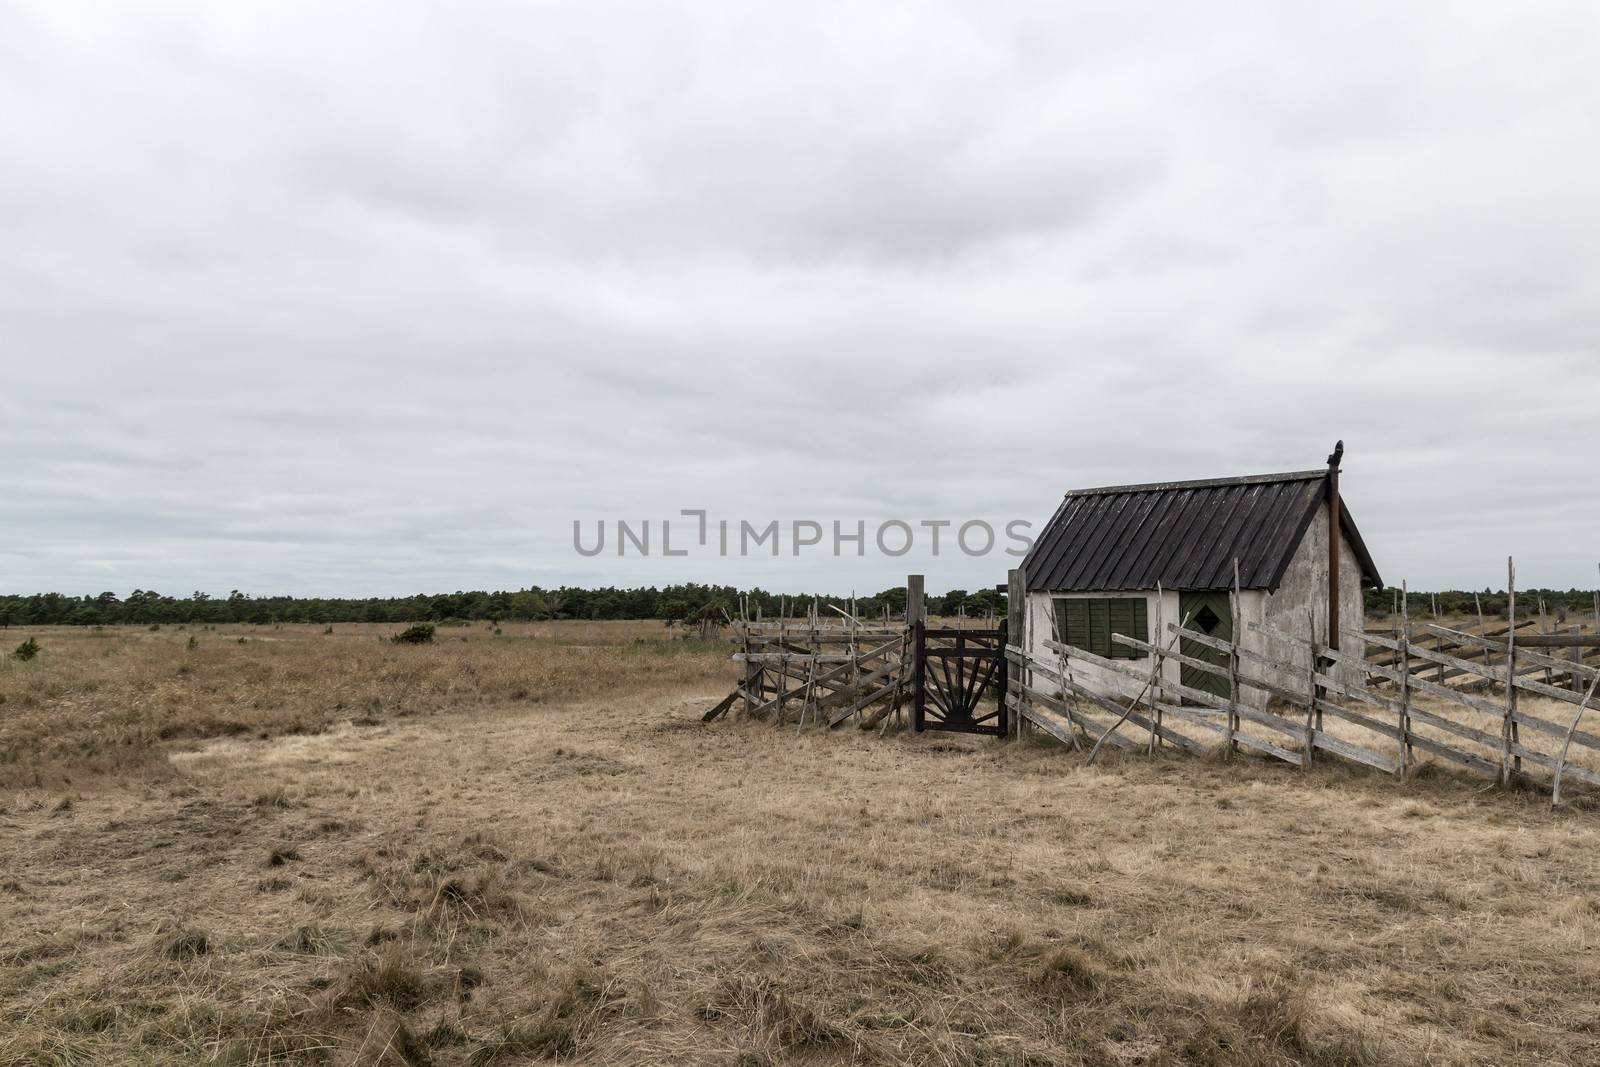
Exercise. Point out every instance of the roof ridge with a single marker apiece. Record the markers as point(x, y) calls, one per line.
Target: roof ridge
point(1204, 483)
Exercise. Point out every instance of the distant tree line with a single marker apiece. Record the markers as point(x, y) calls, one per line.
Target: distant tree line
point(690, 602)
point(1573, 602)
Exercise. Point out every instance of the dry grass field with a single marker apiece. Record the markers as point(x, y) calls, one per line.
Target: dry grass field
point(291, 846)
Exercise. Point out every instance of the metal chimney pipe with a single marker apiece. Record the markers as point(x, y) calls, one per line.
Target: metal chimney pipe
point(1334, 537)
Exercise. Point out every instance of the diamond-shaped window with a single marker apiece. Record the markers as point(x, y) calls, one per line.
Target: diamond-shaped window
point(1207, 620)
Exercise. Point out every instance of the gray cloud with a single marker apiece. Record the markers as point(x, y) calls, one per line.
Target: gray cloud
point(379, 299)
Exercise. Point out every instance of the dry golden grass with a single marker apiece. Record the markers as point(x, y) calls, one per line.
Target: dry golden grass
point(98, 700)
point(585, 873)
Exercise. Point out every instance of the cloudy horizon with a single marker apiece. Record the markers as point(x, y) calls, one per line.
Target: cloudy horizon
point(380, 299)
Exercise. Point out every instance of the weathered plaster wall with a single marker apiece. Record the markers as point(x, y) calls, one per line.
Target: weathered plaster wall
point(1300, 605)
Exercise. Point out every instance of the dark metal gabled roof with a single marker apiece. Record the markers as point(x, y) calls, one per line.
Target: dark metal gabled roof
point(1183, 535)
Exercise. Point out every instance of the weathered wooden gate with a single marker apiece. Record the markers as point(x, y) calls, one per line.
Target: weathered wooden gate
point(958, 671)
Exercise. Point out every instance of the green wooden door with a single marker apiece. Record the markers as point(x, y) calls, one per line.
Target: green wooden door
point(1210, 614)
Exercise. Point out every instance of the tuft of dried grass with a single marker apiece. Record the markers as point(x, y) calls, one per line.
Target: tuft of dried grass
point(178, 942)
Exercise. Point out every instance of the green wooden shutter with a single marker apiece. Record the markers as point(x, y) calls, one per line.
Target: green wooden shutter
point(1072, 622)
point(1127, 616)
point(1100, 627)
point(1088, 623)
point(1120, 616)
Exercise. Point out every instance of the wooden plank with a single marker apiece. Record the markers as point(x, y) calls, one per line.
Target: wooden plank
point(1243, 740)
point(1250, 681)
point(1349, 750)
point(850, 691)
point(1529, 657)
point(1224, 647)
point(723, 705)
point(1432, 656)
point(863, 702)
point(1108, 705)
point(825, 631)
point(1545, 726)
point(1554, 692)
point(1031, 697)
point(1422, 685)
point(1200, 664)
point(1536, 757)
point(1057, 726)
point(1559, 641)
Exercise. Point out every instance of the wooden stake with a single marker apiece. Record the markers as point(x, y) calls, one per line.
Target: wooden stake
point(1155, 705)
point(1404, 637)
point(1312, 689)
point(1018, 677)
point(1508, 725)
point(1544, 628)
point(1438, 643)
point(1483, 628)
point(1230, 746)
point(916, 619)
point(1561, 762)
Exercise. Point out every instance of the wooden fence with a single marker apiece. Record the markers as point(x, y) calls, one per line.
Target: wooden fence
point(818, 671)
point(1503, 700)
point(1442, 692)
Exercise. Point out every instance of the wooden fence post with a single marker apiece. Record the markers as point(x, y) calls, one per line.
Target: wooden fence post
point(1404, 636)
point(1156, 678)
point(1016, 634)
point(1575, 654)
point(1544, 628)
point(1483, 629)
point(1508, 726)
point(1438, 642)
point(916, 621)
point(1230, 746)
point(1313, 691)
point(754, 673)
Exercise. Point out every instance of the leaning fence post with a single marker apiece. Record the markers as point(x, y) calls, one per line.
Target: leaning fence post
point(1311, 691)
point(1405, 678)
point(1508, 726)
point(1230, 746)
point(1561, 761)
point(1156, 675)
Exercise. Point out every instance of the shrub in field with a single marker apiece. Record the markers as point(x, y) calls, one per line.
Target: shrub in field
point(418, 633)
point(27, 650)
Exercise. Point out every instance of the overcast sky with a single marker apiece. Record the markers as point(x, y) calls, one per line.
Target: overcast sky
point(379, 298)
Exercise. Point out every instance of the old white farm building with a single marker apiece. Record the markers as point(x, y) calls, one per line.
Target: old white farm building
point(1096, 569)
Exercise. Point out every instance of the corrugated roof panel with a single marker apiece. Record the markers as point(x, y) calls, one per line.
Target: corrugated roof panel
point(1182, 535)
